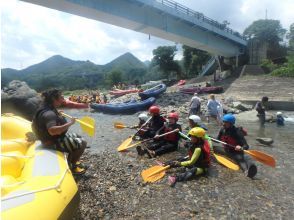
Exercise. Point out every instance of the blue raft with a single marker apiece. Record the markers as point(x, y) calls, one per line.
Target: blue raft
point(153, 92)
point(125, 107)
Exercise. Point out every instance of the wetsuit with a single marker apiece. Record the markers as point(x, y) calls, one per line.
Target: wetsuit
point(167, 143)
point(234, 136)
point(155, 123)
point(198, 161)
point(260, 108)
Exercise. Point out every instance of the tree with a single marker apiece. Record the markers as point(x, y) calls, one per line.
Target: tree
point(114, 77)
point(270, 31)
point(290, 37)
point(194, 59)
point(164, 57)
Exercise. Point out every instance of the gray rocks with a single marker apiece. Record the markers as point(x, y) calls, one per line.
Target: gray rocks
point(20, 99)
point(240, 106)
point(266, 141)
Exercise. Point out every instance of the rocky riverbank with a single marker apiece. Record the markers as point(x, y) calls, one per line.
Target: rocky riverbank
point(112, 188)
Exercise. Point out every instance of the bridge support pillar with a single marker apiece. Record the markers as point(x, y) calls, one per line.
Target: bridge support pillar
point(237, 60)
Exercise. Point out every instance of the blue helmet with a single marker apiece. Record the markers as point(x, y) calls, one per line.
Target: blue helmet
point(229, 118)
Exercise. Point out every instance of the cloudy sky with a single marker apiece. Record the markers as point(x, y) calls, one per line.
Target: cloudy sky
point(31, 33)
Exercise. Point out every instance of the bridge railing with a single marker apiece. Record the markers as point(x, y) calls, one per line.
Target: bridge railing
point(183, 9)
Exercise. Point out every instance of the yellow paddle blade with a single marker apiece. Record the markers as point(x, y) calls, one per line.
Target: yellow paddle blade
point(262, 157)
point(226, 162)
point(124, 145)
point(154, 173)
point(87, 125)
point(119, 125)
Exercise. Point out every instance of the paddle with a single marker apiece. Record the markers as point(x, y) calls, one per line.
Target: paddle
point(120, 125)
point(220, 158)
point(87, 124)
point(154, 173)
point(257, 155)
point(124, 147)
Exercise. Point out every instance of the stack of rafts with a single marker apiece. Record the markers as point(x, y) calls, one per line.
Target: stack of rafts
point(148, 98)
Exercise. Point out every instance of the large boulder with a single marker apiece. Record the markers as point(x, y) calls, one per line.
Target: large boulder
point(240, 106)
point(20, 99)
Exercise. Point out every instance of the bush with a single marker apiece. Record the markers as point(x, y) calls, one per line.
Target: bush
point(287, 70)
point(268, 66)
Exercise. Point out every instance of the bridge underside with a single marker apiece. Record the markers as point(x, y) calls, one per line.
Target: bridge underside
point(144, 18)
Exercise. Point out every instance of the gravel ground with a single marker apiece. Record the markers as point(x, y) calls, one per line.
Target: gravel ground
point(112, 188)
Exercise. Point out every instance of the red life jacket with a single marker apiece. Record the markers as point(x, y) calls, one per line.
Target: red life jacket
point(230, 137)
point(204, 159)
point(173, 137)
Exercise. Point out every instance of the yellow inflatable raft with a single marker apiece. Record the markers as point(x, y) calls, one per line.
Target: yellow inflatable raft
point(36, 183)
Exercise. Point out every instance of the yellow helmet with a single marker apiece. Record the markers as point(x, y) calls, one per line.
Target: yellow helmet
point(197, 132)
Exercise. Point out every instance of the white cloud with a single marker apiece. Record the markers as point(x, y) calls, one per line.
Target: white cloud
point(31, 33)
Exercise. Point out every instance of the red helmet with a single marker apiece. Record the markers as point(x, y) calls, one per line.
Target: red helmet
point(173, 115)
point(154, 109)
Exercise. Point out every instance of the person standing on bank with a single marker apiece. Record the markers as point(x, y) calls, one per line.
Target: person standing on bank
point(52, 130)
point(212, 109)
point(195, 105)
point(260, 107)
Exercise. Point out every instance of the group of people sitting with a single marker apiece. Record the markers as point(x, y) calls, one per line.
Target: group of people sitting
point(197, 142)
point(94, 98)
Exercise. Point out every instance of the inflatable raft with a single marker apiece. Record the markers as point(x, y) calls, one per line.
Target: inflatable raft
point(71, 104)
point(36, 183)
point(122, 92)
point(153, 92)
point(124, 108)
point(199, 90)
point(181, 82)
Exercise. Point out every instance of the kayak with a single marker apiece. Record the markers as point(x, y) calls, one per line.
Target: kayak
point(71, 104)
point(153, 92)
point(181, 82)
point(35, 182)
point(119, 92)
point(124, 108)
point(199, 90)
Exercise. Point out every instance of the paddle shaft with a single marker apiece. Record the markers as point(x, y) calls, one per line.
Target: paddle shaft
point(150, 139)
point(143, 126)
point(159, 171)
point(81, 122)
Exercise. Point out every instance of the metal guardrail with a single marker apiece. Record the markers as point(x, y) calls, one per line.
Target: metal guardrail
point(183, 9)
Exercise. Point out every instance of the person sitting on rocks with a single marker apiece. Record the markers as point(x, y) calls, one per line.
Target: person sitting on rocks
point(235, 137)
point(195, 122)
point(280, 119)
point(142, 120)
point(50, 127)
point(198, 160)
point(167, 143)
point(156, 122)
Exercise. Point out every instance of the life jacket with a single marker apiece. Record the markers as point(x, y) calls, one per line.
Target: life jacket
point(173, 137)
point(204, 158)
point(39, 128)
point(156, 123)
point(231, 136)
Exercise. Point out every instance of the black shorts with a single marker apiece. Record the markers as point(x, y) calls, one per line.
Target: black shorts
point(71, 142)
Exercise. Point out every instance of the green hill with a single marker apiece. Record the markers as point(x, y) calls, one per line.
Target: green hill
point(58, 71)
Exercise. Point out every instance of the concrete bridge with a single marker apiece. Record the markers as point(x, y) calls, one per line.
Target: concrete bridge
point(161, 18)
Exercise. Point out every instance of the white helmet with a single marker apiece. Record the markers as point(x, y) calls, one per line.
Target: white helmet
point(143, 117)
point(279, 113)
point(195, 118)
